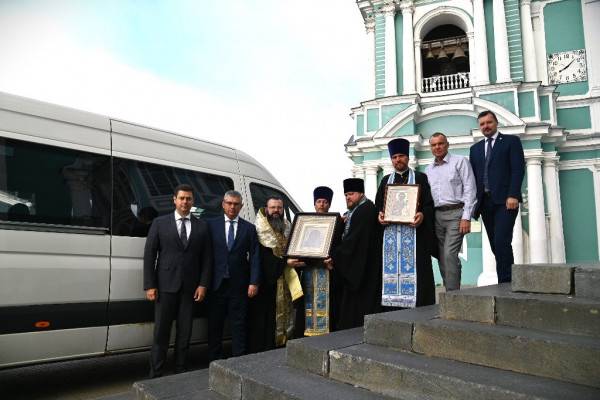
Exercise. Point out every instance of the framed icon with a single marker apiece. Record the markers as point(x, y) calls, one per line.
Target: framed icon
point(312, 235)
point(400, 203)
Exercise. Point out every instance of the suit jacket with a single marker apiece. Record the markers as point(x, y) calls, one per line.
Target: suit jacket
point(243, 260)
point(505, 171)
point(168, 265)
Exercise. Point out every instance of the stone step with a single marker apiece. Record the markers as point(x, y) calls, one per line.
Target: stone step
point(587, 281)
point(401, 374)
point(395, 328)
point(312, 353)
point(568, 358)
point(583, 280)
point(118, 396)
point(191, 385)
point(266, 376)
point(543, 278)
point(500, 305)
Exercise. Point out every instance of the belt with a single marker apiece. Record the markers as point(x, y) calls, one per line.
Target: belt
point(450, 207)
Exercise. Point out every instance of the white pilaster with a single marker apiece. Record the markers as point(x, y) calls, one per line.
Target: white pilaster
point(358, 172)
point(501, 43)
point(596, 177)
point(529, 57)
point(538, 250)
point(488, 276)
point(517, 241)
point(418, 66)
point(389, 10)
point(552, 187)
point(408, 56)
point(480, 74)
point(371, 181)
point(472, 62)
point(370, 28)
point(539, 40)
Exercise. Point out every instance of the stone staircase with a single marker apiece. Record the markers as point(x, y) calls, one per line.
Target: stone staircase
point(538, 338)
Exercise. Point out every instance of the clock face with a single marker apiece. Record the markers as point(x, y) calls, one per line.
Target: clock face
point(567, 67)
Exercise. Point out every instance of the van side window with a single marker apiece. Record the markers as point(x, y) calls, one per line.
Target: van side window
point(52, 185)
point(260, 193)
point(143, 191)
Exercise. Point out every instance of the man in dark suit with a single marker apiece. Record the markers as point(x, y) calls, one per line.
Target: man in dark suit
point(235, 278)
point(177, 270)
point(499, 165)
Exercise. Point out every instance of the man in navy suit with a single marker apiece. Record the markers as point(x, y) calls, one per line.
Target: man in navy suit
point(177, 267)
point(235, 278)
point(499, 166)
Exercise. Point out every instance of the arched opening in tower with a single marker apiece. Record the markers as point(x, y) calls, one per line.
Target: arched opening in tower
point(445, 59)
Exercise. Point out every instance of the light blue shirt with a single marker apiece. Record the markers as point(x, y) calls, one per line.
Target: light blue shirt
point(235, 226)
point(452, 181)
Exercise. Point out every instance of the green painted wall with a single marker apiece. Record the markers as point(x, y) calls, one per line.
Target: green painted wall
point(545, 108)
point(513, 31)
point(505, 99)
point(531, 144)
point(379, 55)
point(372, 119)
point(489, 33)
point(563, 25)
point(425, 154)
point(549, 146)
point(357, 159)
point(399, 52)
point(389, 112)
point(360, 125)
point(406, 130)
point(526, 104)
point(579, 215)
point(579, 155)
point(452, 125)
point(574, 118)
point(372, 155)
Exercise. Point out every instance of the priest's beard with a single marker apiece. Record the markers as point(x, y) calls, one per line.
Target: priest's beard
point(276, 223)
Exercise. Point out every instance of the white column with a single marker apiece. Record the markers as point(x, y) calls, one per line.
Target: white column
point(389, 10)
point(388, 168)
point(517, 241)
point(488, 276)
point(552, 187)
point(501, 43)
point(472, 58)
point(371, 181)
point(538, 250)
point(539, 42)
point(480, 74)
point(370, 28)
point(408, 56)
point(418, 66)
point(528, 42)
point(358, 172)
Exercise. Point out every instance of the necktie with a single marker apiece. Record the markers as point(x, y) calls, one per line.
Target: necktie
point(183, 233)
point(230, 235)
point(488, 155)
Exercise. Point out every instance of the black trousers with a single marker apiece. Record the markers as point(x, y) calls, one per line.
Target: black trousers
point(223, 303)
point(499, 223)
point(168, 307)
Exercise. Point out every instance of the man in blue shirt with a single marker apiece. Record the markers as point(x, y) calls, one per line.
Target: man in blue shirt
point(453, 191)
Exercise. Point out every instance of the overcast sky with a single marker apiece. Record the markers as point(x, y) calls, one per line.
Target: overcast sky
point(273, 78)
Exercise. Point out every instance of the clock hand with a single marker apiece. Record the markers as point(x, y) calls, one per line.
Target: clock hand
point(567, 66)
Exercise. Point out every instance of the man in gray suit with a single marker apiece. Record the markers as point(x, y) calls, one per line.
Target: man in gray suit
point(177, 270)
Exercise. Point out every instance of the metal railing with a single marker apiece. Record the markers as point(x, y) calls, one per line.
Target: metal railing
point(440, 83)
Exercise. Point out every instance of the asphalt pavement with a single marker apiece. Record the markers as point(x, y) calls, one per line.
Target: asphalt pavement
point(85, 379)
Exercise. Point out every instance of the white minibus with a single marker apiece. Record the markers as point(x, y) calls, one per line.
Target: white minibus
point(78, 192)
